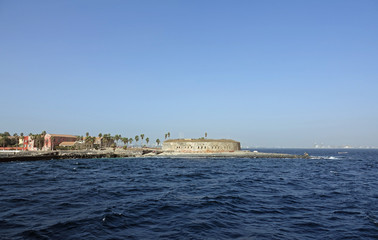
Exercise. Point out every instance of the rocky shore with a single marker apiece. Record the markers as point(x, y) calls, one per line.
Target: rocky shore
point(236, 154)
point(138, 152)
point(72, 154)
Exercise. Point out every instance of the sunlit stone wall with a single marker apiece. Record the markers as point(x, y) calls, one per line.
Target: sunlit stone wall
point(201, 145)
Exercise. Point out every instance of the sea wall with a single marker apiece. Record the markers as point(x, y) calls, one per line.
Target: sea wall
point(201, 145)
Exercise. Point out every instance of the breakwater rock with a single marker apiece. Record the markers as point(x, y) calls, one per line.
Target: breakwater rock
point(236, 154)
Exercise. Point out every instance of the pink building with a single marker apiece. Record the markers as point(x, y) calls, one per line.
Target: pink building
point(28, 144)
point(53, 140)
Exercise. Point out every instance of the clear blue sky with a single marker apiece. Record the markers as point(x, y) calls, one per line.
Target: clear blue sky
point(266, 73)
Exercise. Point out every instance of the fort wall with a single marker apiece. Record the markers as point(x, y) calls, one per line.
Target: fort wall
point(201, 145)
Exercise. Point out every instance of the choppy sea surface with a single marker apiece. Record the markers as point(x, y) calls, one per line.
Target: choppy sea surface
point(332, 196)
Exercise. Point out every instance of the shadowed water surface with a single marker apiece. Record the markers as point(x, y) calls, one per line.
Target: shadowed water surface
point(333, 196)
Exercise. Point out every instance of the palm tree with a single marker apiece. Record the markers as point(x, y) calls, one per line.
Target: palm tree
point(87, 134)
point(125, 141)
point(120, 137)
point(103, 140)
point(111, 140)
point(89, 141)
point(136, 139)
point(205, 134)
point(43, 133)
point(107, 139)
point(100, 139)
point(147, 140)
point(165, 136)
point(92, 141)
point(117, 137)
point(141, 137)
point(158, 141)
point(131, 140)
point(169, 135)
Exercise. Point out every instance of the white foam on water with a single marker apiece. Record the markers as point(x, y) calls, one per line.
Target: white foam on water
point(325, 157)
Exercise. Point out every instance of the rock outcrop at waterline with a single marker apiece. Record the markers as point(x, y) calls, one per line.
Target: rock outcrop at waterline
point(145, 152)
point(236, 154)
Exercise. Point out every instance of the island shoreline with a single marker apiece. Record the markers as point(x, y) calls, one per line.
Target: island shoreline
point(137, 153)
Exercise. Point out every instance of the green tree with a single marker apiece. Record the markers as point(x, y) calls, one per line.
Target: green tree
point(166, 135)
point(136, 139)
point(100, 135)
point(205, 134)
point(113, 146)
point(169, 135)
point(158, 141)
point(125, 141)
point(87, 134)
point(4, 141)
point(15, 139)
point(117, 138)
point(131, 140)
point(89, 141)
point(92, 141)
point(39, 141)
point(141, 137)
point(104, 140)
point(147, 140)
point(107, 140)
point(110, 139)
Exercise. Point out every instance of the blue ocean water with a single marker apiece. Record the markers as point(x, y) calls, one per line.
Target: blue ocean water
point(332, 196)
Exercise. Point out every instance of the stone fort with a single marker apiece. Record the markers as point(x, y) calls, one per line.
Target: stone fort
point(201, 145)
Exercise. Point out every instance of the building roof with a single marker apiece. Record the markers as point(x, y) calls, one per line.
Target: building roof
point(66, 144)
point(199, 140)
point(61, 135)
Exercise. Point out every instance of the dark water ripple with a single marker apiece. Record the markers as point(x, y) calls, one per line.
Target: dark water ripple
point(333, 196)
